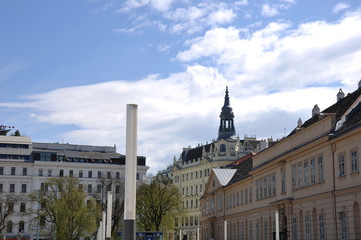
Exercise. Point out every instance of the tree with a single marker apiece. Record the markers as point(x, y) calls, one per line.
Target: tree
point(115, 185)
point(7, 202)
point(63, 203)
point(158, 205)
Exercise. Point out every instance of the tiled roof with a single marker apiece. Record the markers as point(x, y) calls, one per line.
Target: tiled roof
point(339, 109)
point(195, 153)
point(242, 170)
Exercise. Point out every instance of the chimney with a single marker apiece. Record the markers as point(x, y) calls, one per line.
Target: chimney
point(263, 144)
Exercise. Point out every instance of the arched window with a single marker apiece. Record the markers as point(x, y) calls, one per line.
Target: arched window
point(21, 226)
point(222, 148)
point(9, 227)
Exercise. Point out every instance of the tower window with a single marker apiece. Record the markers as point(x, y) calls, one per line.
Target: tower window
point(222, 148)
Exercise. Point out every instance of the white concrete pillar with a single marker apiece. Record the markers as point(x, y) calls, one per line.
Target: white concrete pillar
point(130, 172)
point(225, 230)
point(277, 220)
point(109, 215)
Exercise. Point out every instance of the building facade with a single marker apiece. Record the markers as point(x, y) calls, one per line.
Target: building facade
point(191, 170)
point(25, 166)
point(306, 186)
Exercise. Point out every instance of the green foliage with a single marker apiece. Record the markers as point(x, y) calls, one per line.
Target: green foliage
point(63, 204)
point(157, 206)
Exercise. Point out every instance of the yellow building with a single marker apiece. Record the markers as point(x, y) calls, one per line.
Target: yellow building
point(191, 171)
point(306, 186)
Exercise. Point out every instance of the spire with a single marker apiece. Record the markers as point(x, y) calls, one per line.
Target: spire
point(226, 126)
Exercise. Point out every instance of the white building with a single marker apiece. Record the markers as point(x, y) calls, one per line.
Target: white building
point(26, 165)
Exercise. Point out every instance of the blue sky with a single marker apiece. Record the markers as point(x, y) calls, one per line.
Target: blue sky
point(68, 68)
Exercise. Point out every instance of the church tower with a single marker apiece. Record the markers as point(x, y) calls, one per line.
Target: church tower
point(226, 126)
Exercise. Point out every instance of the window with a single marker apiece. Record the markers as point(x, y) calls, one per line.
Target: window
point(294, 183)
point(299, 174)
point(294, 228)
point(80, 173)
point(61, 173)
point(250, 194)
point(1, 170)
point(71, 173)
point(1, 188)
point(50, 172)
point(9, 227)
point(138, 176)
point(306, 173)
point(341, 164)
point(22, 207)
point(321, 221)
point(354, 161)
point(109, 175)
point(283, 180)
point(99, 174)
point(320, 169)
point(25, 171)
point(117, 189)
point(307, 227)
point(266, 186)
point(13, 170)
point(90, 187)
point(23, 188)
point(343, 219)
point(90, 174)
point(21, 226)
point(313, 171)
point(117, 175)
point(41, 172)
point(265, 230)
point(246, 196)
point(99, 188)
point(10, 207)
point(12, 187)
point(222, 148)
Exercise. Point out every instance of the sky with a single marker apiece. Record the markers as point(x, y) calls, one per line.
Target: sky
point(69, 68)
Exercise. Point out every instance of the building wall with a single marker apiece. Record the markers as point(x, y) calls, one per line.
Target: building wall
point(317, 202)
point(38, 172)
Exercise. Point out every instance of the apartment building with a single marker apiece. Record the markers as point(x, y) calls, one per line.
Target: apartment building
point(191, 170)
point(306, 186)
point(26, 165)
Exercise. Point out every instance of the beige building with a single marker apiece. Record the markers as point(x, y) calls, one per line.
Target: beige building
point(306, 186)
point(191, 171)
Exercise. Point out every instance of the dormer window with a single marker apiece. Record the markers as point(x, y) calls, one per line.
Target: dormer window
point(222, 148)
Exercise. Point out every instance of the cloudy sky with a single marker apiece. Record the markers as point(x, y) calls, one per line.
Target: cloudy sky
point(68, 68)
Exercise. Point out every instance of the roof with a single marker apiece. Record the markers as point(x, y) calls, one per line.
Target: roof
point(224, 175)
point(242, 170)
point(195, 153)
point(339, 109)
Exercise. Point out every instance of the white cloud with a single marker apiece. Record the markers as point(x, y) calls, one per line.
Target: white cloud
point(279, 69)
point(340, 6)
point(164, 48)
point(159, 5)
point(329, 52)
point(269, 11)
